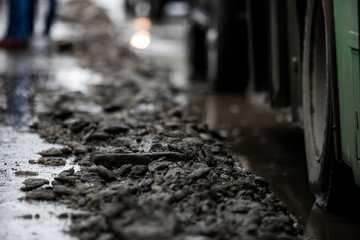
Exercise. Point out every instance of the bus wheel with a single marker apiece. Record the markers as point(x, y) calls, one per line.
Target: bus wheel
point(317, 105)
point(226, 44)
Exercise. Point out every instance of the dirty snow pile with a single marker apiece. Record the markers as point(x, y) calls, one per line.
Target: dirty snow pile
point(149, 168)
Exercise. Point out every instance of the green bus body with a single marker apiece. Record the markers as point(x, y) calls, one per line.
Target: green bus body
point(347, 60)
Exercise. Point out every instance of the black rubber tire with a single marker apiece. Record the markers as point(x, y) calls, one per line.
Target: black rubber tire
point(331, 180)
point(317, 101)
point(226, 44)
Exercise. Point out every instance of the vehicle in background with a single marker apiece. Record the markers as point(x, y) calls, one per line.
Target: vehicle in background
point(305, 55)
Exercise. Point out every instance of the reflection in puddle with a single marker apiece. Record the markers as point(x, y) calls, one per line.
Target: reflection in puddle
point(22, 76)
point(232, 111)
point(16, 149)
point(76, 79)
point(21, 80)
point(14, 90)
point(15, 83)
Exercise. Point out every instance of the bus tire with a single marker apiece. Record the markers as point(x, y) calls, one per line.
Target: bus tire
point(331, 180)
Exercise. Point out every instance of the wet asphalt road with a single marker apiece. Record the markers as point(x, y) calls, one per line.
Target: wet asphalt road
point(260, 138)
point(263, 140)
point(22, 75)
point(266, 144)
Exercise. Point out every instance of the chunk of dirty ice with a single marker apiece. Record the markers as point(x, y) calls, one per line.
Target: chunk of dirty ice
point(40, 194)
point(52, 152)
point(33, 183)
point(52, 161)
point(26, 173)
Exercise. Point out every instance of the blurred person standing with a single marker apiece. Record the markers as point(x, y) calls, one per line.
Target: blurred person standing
point(17, 34)
point(21, 22)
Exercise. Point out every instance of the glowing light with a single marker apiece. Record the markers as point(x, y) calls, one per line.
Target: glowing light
point(142, 24)
point(140, 40)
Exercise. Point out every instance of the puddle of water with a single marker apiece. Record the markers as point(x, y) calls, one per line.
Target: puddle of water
point(75, 78)
point(14, 98)
point(50, 73)
point(16, 149)
point(263, 141)
point(23, 73)
point(233, 111)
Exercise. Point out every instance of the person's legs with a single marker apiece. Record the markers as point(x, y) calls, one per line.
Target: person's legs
point(18, 29)
point(32, 14)
point(18, 23)
point(50, 16)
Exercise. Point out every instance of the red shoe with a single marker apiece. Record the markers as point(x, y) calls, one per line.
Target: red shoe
point(13, 42)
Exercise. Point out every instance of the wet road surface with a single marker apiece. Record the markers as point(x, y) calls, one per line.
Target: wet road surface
point(23, 219)
point(22, 75)
point(266, 144)
point(260, 138)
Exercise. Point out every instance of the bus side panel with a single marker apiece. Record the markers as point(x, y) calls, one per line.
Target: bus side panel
point(347, 57)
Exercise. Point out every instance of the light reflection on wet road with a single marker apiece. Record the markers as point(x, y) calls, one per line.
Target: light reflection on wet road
point(22, 74)
point(16, 149)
